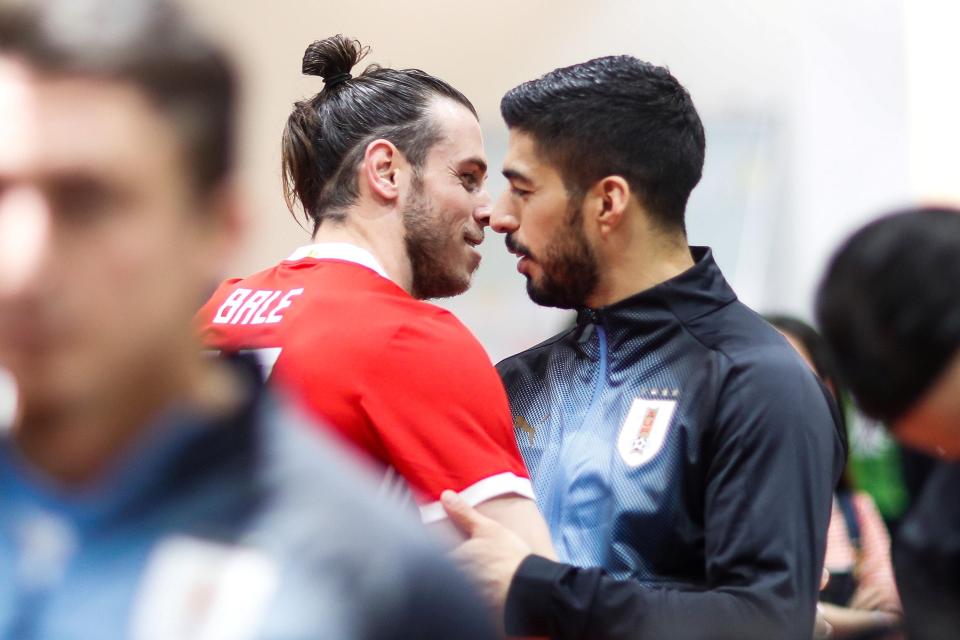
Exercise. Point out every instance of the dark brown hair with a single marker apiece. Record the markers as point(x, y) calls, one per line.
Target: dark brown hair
point(149, 44)
point(615, 116)
point(326, 135)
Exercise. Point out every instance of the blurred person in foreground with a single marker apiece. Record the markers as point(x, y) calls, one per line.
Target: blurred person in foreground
point(682, 453)
point(389, 168)
point(860, 600)
point(147, 490)
point(889, 306)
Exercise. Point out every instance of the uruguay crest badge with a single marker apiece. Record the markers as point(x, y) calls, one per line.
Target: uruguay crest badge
point(645, 430)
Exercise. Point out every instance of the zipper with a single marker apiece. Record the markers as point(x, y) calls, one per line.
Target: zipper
point(569, 435)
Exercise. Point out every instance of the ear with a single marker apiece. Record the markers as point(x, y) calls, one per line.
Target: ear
point(380, 169)
point(611, 196)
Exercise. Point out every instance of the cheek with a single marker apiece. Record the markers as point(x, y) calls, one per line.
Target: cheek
point(539, 228)
point(136, 276)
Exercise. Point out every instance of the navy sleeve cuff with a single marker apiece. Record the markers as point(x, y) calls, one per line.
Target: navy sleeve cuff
point(529, 599)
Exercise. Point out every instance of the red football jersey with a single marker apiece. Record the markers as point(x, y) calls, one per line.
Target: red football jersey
point(402, 379)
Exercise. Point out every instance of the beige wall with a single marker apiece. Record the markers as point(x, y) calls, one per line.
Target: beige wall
point(805, 105)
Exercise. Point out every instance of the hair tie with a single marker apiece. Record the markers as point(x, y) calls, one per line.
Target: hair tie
point(333, 81)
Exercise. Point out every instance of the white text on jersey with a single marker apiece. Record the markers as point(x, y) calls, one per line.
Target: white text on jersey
point(263, 306)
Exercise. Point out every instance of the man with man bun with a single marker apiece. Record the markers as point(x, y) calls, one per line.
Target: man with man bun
point(389, 169)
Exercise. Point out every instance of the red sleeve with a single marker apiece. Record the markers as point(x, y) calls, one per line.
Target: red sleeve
point(442, 416)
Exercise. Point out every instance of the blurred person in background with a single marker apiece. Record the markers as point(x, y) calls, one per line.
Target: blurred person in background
point(147, 490)
point(389, 168)
point(889, 307)
point(860, 600)
point(683, 454)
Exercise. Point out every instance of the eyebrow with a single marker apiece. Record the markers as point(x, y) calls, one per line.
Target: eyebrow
point(478, 161)
point(513, 174)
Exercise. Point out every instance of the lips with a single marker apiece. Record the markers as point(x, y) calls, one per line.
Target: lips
point(516, 248)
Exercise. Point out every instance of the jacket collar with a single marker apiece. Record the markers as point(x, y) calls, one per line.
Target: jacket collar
point(693, 293)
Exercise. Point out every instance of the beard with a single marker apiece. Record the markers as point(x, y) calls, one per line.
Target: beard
point(427, 241)
point(569, 265)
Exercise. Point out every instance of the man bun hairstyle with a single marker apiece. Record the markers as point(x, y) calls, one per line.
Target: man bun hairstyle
point(326, 135)
point(889, 306)
point(332, 59)
point(615, 115)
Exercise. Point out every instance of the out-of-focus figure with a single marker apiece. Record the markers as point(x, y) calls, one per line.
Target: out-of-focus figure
point(147, 490)
point(889, 306)
point(860, 600)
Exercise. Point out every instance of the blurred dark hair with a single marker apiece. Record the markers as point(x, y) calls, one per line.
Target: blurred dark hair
point(148, 44)
point(615, 116)
point(326, 135)
point(889, 306)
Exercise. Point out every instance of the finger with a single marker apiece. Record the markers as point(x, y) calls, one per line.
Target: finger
point(462, 515)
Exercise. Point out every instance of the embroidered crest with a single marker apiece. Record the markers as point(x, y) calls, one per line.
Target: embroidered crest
point(645, 430)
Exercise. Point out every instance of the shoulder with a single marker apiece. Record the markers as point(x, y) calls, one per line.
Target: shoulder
point(752, 353)
point(764, 385)
point(426, 336)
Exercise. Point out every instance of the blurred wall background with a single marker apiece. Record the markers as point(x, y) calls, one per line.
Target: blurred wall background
point(819, 115)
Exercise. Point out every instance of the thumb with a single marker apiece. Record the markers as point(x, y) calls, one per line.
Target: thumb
point(462, 515)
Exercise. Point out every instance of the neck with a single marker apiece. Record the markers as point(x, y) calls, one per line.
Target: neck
point(381, 235)
point(75, 442)
point(629, 270)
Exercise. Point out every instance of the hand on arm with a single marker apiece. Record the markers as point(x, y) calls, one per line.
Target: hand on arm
point(851, 623)
point(517, 513)
point(491, 552)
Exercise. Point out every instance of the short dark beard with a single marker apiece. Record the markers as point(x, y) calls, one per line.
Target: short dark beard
point(569, 264)
point(425, 242)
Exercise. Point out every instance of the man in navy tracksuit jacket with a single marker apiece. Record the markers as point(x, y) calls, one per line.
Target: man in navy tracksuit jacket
point(683, 455)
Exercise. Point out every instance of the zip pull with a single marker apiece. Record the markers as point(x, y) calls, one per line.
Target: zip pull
point(587, 320)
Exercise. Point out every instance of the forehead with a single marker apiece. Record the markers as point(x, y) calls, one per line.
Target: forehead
point(462, 137)
point(524, 160)
point(54, 124)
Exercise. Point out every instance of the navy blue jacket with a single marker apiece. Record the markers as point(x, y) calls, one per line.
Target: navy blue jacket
point(684, 457)
point(926, 558)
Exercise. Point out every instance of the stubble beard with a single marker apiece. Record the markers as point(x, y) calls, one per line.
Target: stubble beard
point(425, 241)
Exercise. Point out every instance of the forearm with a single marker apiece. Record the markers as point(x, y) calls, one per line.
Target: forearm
point(569, 603)
point(521, 516)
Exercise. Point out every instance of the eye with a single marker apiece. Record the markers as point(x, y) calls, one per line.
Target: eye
point(519, 193)
point(470, 181)
point(79, 200)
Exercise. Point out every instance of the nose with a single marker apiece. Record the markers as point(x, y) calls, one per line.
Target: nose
point(504, 218)
point(481, 214)
point(25, 236)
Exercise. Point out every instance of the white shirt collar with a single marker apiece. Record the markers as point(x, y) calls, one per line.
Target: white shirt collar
point(340, 251)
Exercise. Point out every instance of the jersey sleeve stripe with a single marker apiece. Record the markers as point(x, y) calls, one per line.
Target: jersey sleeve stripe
point(491, 487)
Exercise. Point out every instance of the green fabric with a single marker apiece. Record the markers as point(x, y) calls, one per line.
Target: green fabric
point(874, 465)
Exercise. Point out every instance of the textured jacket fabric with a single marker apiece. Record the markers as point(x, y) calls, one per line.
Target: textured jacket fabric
point(684, 458)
